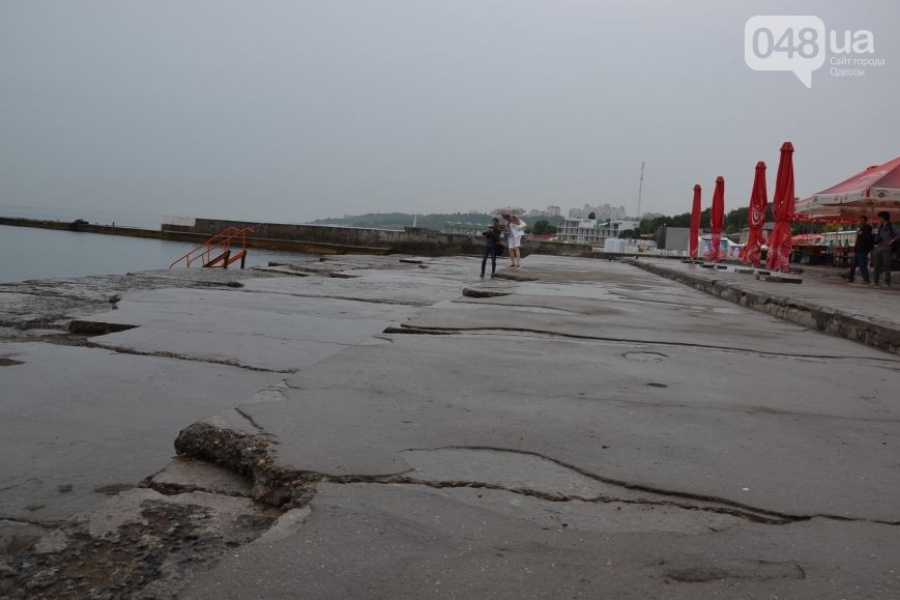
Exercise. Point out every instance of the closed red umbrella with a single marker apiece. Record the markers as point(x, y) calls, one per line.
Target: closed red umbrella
point(779, 256)
point(717, 220)
point(695, 223)
point(751, 253)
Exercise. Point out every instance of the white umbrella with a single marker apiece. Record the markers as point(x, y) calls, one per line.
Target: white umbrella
point(509, 210)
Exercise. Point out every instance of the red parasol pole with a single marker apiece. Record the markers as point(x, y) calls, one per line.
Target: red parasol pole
point(717, 220)
point(779, 256)
point(751, 254)
point(695, 223)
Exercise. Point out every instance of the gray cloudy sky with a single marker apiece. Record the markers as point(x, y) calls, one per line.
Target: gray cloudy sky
point(297, 110)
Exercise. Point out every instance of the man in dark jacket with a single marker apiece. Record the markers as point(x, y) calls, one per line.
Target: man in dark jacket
point(491, 245)
point(887, 236)
point(865, 241)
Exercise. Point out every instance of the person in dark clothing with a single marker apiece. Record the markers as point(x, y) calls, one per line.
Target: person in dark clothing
point(865, 241)
point(888, 235)
point(491, 242)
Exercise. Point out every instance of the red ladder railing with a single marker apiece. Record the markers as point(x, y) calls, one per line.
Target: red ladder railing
point(221, 243)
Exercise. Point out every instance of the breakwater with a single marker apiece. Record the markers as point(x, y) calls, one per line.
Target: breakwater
point(313, 239)
point(357, 240)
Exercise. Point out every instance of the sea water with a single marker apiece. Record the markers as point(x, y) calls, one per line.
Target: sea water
point(97, 217)
point(32, 253)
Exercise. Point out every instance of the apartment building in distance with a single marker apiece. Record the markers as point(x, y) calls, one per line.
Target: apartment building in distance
point(592, 232)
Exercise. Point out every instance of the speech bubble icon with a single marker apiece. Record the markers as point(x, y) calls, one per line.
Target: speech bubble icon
point(793, 43)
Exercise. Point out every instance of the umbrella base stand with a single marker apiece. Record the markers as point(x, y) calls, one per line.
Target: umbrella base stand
point(713, 266)
point(744, 270)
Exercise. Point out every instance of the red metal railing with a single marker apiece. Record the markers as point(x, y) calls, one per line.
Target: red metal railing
point(221, 245)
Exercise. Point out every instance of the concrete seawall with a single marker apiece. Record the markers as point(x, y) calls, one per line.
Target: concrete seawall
point(411, 240)
point(314, 239)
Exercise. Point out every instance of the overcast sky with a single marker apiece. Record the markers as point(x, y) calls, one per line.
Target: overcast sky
point(296, 110)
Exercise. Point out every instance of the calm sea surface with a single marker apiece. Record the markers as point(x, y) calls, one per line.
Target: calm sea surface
point(29, 253)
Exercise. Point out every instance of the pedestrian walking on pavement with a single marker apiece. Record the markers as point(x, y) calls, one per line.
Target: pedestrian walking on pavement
point(865, 241)
point(491, 246)
point(885, 242)
point(515, 231)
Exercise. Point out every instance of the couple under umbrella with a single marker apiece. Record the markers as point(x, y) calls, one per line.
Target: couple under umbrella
point(514, 231)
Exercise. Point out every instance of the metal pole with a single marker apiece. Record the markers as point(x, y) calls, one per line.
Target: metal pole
point(640, 192)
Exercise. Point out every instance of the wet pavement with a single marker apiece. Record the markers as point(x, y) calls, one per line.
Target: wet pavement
point(580, 427)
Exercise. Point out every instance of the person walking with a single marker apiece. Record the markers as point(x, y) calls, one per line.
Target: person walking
point(865, 241)
point(491, 244)
point(515, 231)
point(884, 241)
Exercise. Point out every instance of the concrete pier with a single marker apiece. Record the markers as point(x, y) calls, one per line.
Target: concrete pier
point(582, 428)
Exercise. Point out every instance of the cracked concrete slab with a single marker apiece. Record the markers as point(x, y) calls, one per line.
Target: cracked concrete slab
point(74, 421)
point(391, 283)
point(687, 318)
point(37, 308)
point(276, 332)
point(368, 540)
point(592, 407)
point(683, 447)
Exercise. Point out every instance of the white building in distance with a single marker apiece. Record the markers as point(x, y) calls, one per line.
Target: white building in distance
point(592, 232)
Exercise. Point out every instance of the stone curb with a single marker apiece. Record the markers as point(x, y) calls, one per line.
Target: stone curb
point(858, 328)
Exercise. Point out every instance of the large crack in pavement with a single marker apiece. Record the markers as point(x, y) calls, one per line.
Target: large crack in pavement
point(385, 301)
point(408, 329)
point(79, 336)
point(188, 357)
point(285, 488)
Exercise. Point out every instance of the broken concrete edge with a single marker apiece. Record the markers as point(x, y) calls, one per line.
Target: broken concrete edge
point(249, 455)
point(281, 269)
point(870, 332)
point(139, 543)
point(482, 293)
point(92, 328)
point(513, 276)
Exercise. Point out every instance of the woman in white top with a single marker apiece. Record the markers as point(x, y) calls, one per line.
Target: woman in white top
point(515, 230)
